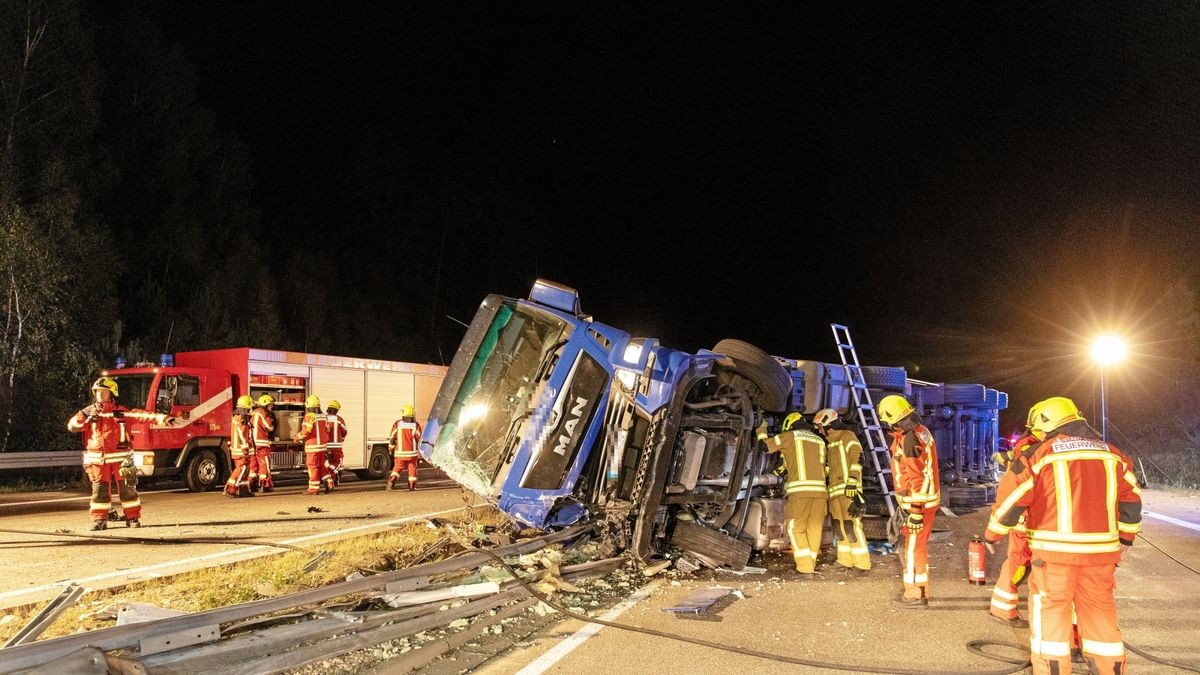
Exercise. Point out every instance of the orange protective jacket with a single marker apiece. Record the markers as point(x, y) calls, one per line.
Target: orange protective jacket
point(240, 440)
point(335, 431)
point(262, 426)
point(312, 432)
point(915, 468)
point(404, 437)
point(105, 438)
point(1078, 495)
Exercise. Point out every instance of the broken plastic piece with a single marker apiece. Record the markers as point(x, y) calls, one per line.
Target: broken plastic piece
point(699, 601)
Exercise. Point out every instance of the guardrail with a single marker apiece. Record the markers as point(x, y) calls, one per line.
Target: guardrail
point(31, 460)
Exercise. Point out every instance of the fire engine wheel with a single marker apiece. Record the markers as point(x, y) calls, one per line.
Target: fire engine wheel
point(773, 382)
point(202, 472)
point(378, 466)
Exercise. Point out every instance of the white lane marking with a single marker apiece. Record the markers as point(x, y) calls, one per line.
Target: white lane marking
point(1173, 521)
point(568, 645)
point(85, 499)
point(221, 554)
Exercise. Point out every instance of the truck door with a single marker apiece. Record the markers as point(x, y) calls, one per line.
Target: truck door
point(177, 395)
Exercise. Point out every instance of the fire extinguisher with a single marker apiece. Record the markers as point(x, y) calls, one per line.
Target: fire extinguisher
point(976, 562)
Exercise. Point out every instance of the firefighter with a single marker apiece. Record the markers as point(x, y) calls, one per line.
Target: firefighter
point(844, 452)
point(1015, 568)
point(335, 432)
point(312, 434)
point(918, 492)
point(262, 425)
point(106, 449)
point(241, 449)
point(804, 456)
point(1082, 509)
point(403, 440)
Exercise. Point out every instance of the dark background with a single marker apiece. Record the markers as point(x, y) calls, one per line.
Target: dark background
point(976, 191)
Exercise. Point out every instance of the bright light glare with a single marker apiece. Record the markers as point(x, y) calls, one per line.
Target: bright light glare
point(1108, 350)
point(633, 353)
point(472, 413)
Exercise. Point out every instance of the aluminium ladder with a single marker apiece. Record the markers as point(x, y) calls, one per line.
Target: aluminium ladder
point(868, 419)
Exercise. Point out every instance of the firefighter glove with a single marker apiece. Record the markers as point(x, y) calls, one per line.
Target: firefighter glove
point(852, 489)
point(915, 522)
point(856, 508)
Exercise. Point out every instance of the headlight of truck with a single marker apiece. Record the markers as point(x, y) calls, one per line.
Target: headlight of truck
point(627, 378)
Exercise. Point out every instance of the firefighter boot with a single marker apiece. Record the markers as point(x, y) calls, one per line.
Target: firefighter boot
point(133, 522)
point(99, 524)
point(412, 484)
point(911, 603)
point(389, 484)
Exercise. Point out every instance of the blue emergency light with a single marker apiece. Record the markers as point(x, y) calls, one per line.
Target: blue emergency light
point(166, 360)
point(120, 362)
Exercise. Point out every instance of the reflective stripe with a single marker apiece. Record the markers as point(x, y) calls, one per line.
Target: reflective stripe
point(1110, 492)
point(1062, 492)
point(1009, 502)
point(1000, 592)
point(133, 504)
point(922, 578)
point(1073, 456)
point(99, 506)
point(1103, 648)
point(1006, 606)
point(1079, 537)
point(802, 553)
point(1035, 622)
point(1074, 548)
point(1129, 528)
point(856, 550)
point(1054, 648)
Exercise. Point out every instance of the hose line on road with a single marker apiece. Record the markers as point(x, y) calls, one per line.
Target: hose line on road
point(1156, 548)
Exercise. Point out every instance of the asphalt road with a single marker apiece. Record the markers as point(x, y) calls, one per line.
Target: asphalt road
point(838, 617)
point(37, 565)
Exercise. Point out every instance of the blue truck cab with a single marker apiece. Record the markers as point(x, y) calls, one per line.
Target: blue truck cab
point(555, 418)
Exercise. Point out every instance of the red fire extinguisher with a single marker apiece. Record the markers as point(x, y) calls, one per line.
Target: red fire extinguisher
point(976, 562)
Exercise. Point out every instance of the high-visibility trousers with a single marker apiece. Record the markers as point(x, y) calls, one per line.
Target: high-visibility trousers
point(805, 519)
point(914, 557)
point(1053, 589)
point(314, 460)
point(333, 464)
point(851, 542)
point(407, 464)
point(1004, 595)
point(105, 478)
point(238, 484)
point(262, 466)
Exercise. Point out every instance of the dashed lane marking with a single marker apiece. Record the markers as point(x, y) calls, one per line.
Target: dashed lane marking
point(545, 661)
point(1174, 521)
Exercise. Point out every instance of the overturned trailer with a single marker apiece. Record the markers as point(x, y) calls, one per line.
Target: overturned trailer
point(556, 418)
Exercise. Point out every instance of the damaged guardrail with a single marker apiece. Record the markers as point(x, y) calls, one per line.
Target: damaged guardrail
point(150, 638)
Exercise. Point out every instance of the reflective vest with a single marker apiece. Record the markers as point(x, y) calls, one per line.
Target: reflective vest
point(1079, 497)
point(403, 439)
point(105, 438)
point(915, 468)
point(804, 456)
point(335, 431)
point(240, 441)
point(262, 425)
point(312, 432)
point(845, 454)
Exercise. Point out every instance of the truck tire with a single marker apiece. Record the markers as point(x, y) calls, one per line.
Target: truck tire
point(889, 378)
point(773, 382)
point(379, 464)
point(963, 394)
point(203, 471)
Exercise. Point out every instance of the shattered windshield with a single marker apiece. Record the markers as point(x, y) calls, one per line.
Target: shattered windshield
point(497, 391)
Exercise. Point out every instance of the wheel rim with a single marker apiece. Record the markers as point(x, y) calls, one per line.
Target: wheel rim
point(207, 471)
point(378, 463)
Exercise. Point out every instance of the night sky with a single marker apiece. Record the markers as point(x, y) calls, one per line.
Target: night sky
point(975, 190)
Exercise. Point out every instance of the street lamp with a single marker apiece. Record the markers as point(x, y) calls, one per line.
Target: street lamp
point(1107, 350)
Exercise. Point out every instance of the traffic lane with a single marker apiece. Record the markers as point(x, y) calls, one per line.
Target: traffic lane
point(839, 617)
point(35, 561)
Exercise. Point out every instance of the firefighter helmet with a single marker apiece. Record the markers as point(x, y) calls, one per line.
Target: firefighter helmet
point(265, 400)
point(334, 405)
point(790, 420)
point(1051, 414)
point(825, 417)
point(312, 401)
point(407, 411)
point(106, 383)
point(244, 401)
point(894, 408)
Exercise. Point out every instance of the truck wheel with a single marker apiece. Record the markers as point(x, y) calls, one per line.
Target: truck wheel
point(888, 378)
point(378, 466)
point(202, 472)
point(773, 382)
point(964, 394)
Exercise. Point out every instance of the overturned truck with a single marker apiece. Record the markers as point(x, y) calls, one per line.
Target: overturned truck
point(556, 419)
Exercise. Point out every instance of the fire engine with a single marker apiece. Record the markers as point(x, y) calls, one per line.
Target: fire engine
point(198, 390)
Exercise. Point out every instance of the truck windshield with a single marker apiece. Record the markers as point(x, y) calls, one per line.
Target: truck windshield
point(134, 389)
point(497, 390)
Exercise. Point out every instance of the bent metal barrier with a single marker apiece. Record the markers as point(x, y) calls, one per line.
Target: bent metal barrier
point(185, 629)
point(32, 460)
